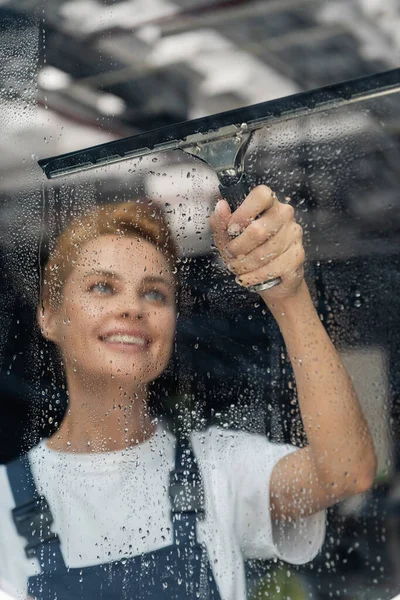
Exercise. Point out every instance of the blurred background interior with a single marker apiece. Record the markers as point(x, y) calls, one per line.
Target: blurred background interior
point(82, 72)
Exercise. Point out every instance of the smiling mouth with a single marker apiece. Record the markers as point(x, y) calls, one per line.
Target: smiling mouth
point(126, 340)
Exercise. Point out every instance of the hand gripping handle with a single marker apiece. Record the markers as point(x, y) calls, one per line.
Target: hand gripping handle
point(235, 193)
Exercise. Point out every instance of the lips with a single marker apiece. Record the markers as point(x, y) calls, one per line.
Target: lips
point(126, 338)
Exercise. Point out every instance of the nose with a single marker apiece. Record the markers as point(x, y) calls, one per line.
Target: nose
point(128, 314)
point(130, 306)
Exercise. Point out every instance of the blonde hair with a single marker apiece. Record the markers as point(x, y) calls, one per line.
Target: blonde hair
point(135, 218)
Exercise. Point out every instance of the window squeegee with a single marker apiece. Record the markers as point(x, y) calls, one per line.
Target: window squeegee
point(221, 140)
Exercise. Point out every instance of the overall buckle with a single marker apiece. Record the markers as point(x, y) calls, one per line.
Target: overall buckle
point(32, 521)
point(186, 492)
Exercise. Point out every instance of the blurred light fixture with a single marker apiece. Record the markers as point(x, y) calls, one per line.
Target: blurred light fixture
point(150, 34)
point(109, 104)
point(89, 16)
point(53, 79)
point(224, 68)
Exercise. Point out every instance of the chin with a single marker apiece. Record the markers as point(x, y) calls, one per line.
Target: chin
point(139, 372)
point(137, 368)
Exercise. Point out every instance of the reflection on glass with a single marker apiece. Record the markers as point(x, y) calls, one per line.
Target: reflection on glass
point(159, 382)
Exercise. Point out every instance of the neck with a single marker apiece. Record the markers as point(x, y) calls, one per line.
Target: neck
point(102, 417)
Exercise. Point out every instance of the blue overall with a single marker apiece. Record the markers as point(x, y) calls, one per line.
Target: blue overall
point(180, 571)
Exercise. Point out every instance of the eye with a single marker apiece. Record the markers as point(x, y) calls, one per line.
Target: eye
point(102, 288)
point(156, 295)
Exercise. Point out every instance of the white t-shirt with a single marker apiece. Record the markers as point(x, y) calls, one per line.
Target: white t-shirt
point(116, 504)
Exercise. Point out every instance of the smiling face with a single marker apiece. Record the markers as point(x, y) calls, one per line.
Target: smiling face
point(117, 314)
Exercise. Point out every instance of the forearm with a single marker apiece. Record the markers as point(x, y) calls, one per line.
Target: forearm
point(340, 459)
point(340, 443)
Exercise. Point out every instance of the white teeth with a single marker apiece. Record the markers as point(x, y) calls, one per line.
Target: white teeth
point(125, 339)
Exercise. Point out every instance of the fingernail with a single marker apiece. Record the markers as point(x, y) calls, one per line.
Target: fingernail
point(218, 206)
point(229, 254)
point(234, 229)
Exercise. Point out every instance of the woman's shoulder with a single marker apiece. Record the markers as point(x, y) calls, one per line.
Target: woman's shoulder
point(228, 444)
point(225, 436)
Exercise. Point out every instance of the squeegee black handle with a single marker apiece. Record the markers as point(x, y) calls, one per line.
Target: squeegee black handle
point(234, 194)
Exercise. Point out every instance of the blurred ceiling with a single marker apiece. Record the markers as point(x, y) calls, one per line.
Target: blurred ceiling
point(76, 73)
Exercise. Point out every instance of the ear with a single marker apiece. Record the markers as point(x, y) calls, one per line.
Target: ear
point(47, 321)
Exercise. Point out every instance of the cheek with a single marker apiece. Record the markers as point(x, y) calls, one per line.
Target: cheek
point(165, 323)
point(79, 317)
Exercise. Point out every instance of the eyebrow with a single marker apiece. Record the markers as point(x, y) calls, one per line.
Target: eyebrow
point(155, 279)
point(146, 279)
point(101, 273)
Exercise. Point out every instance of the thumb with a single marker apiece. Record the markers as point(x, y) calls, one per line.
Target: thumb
point(219, 224)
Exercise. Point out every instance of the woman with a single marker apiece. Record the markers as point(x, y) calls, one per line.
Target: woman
point(112, 505)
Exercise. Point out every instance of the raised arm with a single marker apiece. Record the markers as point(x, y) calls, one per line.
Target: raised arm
point(339, 460)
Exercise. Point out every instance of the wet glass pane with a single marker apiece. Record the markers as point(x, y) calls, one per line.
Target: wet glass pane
point(148, 339)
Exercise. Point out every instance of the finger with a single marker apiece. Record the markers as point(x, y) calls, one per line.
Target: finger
point(265, 253)
point(287, 266)
point(219, 223)
point(259, 200)
point(257, 233)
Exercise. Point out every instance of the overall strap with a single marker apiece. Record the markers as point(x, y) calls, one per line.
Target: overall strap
point(186, 493)
point(32, 516)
